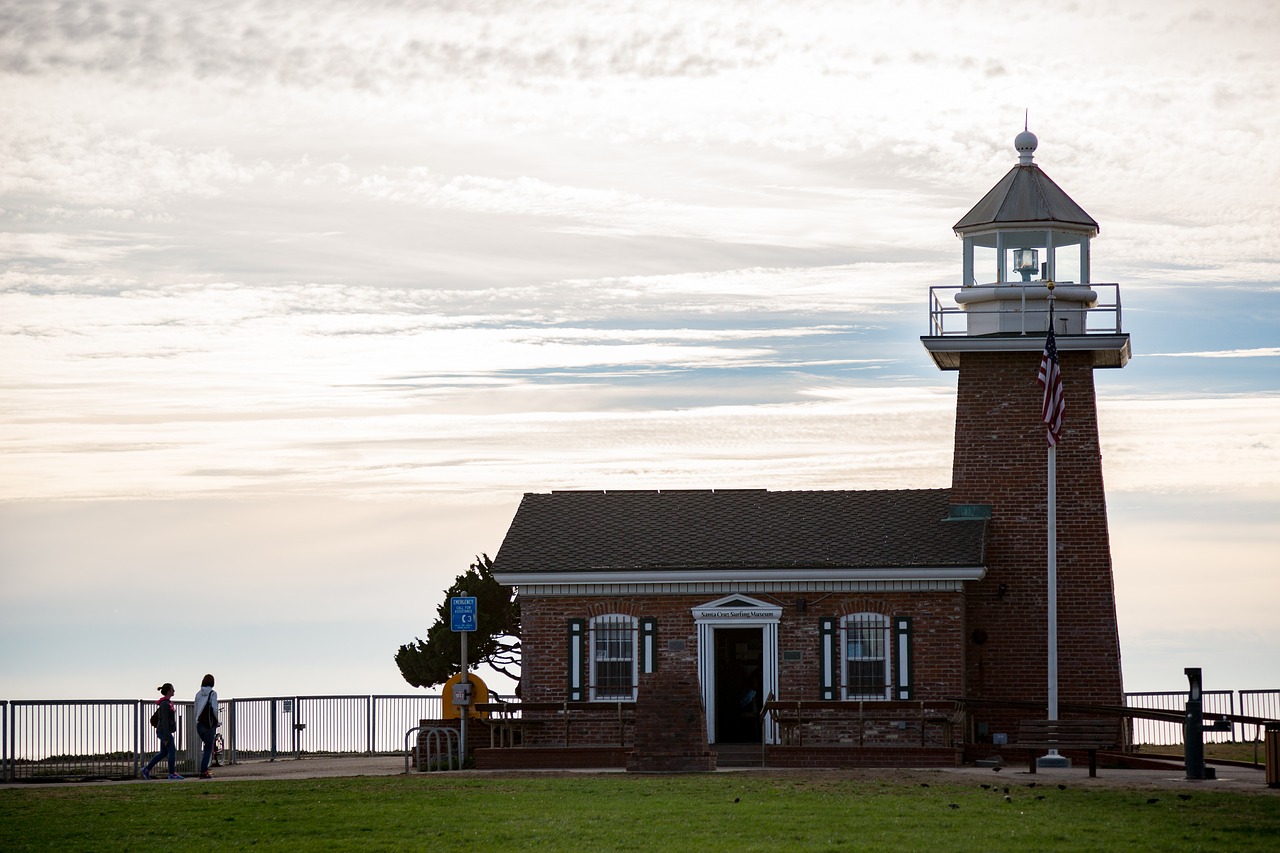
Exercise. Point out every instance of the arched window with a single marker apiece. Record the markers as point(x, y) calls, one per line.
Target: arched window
point(865, 640)
point(613, 658)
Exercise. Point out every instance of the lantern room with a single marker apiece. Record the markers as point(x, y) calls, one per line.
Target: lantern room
point(1026, 263)
point(1026, 229)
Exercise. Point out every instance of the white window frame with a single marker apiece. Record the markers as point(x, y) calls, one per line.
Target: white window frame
point(854, 647)
point(627, 627)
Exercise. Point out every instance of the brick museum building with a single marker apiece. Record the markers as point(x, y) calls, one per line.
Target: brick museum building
point(676, 629)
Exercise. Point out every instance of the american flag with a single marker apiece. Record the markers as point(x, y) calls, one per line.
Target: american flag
point(1050, 378)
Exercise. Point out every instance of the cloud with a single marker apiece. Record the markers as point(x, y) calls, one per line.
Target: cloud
point(1256, 352)
point(369, 45)
point(63, 168)
point(1208, 446)
point(82, 248)
point(451, 251)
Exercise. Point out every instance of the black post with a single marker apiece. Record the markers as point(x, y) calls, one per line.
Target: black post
point(1193, 728)
point(273, 729)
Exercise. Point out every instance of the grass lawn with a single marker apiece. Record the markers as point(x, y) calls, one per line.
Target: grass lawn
point(725, 811)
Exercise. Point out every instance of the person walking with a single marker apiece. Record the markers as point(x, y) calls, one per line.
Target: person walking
point(165, 719)
point(207, 722)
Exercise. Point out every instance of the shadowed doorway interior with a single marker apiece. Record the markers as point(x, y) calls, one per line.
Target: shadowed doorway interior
point(739, 653)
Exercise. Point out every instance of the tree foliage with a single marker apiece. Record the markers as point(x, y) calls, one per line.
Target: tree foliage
point(496, 640)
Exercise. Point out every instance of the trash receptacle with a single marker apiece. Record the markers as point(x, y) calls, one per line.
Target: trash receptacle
point(1271, 746)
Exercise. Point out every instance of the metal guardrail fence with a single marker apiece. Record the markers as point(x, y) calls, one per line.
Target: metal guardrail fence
point(112, 738)
point(1261, 704)
point(1167, 733)
point(92, 738)
point(946, 320)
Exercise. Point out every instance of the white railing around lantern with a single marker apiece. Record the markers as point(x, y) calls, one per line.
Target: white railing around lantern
point(947, 318)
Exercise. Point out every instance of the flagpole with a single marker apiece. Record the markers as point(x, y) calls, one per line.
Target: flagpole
point(1052, 416)
point(1053, 582)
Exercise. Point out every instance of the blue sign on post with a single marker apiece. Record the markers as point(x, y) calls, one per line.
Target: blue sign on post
point(463, 610)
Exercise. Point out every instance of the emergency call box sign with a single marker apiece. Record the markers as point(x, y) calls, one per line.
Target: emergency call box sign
point(463, 608)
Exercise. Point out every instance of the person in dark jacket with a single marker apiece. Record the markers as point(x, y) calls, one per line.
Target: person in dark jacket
point(166, 721)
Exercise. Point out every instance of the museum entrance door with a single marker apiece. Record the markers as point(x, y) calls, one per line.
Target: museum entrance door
point(739, 684)
point(737, 654)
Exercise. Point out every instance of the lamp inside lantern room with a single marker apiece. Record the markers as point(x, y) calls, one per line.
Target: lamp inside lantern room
point(1026, 261)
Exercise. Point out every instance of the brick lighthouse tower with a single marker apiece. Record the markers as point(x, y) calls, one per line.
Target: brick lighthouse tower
point(1026, 258)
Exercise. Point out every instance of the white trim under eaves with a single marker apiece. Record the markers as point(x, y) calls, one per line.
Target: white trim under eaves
point(588, 578)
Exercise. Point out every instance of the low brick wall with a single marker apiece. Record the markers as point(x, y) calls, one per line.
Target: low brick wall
point(552, 758)
point(597, 757)
point(862, 756)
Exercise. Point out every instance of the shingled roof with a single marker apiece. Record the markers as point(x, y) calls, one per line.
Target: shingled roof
point(1026, 194)
point(584, 532)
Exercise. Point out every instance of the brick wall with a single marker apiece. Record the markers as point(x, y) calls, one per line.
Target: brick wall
point(671, 728)
point(990, 640)
point(1000, 459)
point(938, 634)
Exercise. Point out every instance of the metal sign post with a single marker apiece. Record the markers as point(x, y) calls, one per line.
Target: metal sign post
point(462, 609)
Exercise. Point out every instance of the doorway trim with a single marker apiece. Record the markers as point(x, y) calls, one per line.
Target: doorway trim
point(735, 611)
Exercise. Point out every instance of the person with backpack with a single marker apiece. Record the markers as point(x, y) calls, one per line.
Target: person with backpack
point(207, 722)
point(165, 722)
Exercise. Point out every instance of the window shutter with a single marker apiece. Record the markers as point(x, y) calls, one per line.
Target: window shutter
point(648, 644)
point(577, 659)
point(902, 668)
point(828, 660)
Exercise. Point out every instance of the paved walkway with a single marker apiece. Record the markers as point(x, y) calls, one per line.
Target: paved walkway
point(1238, 779)
point(1229, 778)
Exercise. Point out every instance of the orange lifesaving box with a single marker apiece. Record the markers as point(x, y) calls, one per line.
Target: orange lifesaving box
point(449, 710)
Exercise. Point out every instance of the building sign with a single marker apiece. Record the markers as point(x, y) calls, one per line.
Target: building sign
point(737, 608)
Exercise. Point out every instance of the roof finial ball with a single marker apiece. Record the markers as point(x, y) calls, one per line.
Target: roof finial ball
point(1025, 143)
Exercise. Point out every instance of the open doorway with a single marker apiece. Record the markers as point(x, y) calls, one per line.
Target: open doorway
point(738, 684)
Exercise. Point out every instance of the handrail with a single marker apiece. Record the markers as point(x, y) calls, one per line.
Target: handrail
point(415, 748)
point(1103, 307)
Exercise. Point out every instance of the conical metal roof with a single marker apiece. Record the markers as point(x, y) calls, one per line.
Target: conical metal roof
point(1026, 195)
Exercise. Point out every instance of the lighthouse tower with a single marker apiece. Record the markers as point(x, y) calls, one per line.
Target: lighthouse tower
point(1026, 263)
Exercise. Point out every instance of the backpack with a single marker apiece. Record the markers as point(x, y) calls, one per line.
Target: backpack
point(208, 716)
point(155, 718)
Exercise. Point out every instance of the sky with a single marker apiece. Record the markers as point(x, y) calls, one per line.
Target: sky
point(298, 298)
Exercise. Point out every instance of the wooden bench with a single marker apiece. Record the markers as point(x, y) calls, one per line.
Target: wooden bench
point(1038, 736)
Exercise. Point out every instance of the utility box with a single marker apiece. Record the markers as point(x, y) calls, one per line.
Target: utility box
point(1271, 746)
point(462, 693)
point(452, 709)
